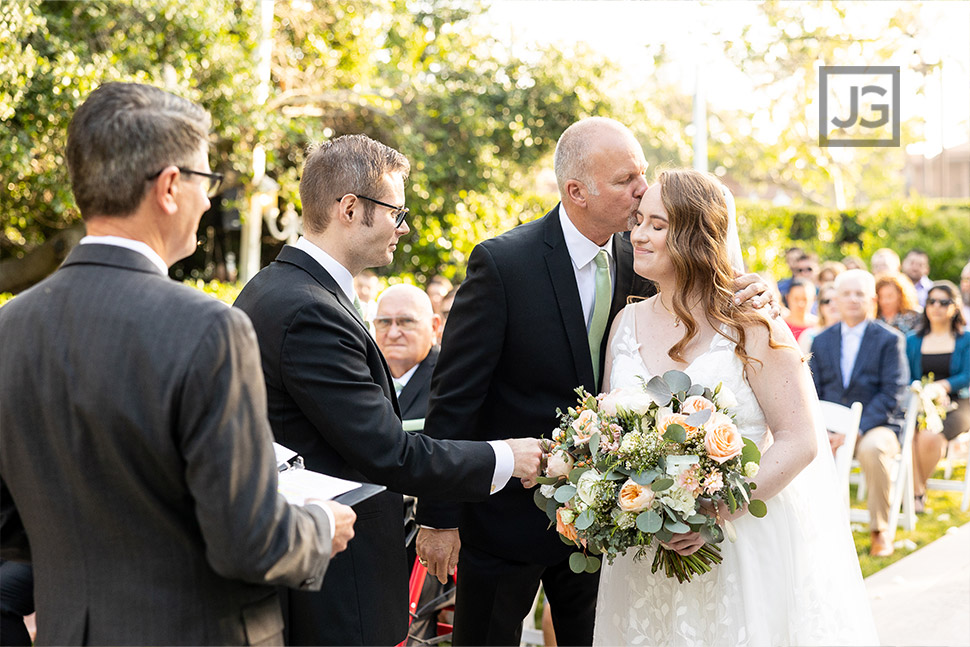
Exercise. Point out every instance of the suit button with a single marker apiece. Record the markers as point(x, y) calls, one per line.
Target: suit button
point(308, 582)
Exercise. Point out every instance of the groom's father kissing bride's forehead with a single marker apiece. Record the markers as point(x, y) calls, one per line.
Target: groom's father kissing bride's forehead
point(331, 397)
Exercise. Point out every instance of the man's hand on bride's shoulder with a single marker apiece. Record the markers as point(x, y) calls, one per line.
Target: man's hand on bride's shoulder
point(528, 458)
point(751, 290)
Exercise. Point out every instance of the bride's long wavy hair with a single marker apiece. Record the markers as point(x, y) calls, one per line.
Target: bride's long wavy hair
point(697, 246)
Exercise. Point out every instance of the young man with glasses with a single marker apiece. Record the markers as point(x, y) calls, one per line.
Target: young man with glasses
point(138, 470)
point(331, 395)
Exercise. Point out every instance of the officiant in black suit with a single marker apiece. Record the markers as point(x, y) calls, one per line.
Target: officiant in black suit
point(331, 396)
point(528, 325)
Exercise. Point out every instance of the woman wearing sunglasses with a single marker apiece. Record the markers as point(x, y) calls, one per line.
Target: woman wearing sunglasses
point(941, 346)
point(828, 314)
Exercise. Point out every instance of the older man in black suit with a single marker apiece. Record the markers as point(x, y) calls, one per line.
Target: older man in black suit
point(331, 397)
point(137, 461)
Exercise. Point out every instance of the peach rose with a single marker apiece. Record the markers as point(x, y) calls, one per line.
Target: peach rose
point(635, 497)
point(585, 426)
point(567, 530)
point(559, 464)
point(697, 403)
point(664, 420)
point(722, 439)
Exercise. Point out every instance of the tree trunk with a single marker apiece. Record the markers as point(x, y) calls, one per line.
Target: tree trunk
point(18, 274)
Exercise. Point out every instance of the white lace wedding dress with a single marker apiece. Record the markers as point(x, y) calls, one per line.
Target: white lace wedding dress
point(792, 577)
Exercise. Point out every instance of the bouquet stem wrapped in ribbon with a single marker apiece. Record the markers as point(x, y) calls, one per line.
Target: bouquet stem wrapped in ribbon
point(636, 464)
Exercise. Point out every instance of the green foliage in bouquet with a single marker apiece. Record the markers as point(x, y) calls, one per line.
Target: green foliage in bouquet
point(635, 464)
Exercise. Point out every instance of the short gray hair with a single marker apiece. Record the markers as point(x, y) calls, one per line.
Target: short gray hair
point(348, 164)
point(123, 133)
point(868, 280)
point(571, 161)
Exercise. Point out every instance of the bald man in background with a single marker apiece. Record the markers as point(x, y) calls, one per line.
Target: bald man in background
point(406, 329)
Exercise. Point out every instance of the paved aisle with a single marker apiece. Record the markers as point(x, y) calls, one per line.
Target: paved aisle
point(924, 598)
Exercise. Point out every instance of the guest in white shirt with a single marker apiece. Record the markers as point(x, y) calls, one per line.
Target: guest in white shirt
point(916, 265)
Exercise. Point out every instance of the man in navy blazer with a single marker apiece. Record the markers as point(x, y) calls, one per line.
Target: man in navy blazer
point(863, 360)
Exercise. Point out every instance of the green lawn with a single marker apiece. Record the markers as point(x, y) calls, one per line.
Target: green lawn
point(942, 513)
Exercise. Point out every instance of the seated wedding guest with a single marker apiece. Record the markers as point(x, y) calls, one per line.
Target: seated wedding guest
point(437, 288)
point(864, 360)
point(139, 477)
point(916, 266)
point(367, 286)
point(406, 331)
point(801, 297)
point(446, 303)
point(792, 254)
point(940, 346)
point(828, 315)
point(854, 263)
point(884, 261)
point(896, 302)
point(828, 270)
point(965, 291)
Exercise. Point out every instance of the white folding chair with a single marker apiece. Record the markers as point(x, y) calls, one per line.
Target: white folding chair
point(843, 420)
point(532, 635)
point(902, 512)
point(946, 483)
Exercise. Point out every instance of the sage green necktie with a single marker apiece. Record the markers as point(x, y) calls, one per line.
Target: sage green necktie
point(601, 310)
point(358, 308)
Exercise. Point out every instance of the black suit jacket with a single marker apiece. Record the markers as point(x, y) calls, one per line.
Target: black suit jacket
point(414, 396)
point(330, 399)
point(879, 376)
point(136, 455)
point(514, 350)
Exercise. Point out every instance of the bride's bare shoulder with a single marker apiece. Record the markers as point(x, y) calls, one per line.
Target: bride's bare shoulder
point(758, 333)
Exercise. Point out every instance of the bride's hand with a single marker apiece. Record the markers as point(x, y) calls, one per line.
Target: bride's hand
point(685, 544)
point(707, 507)
point(750, 289)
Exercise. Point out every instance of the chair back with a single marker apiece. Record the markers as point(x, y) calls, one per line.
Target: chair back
point(843, 420)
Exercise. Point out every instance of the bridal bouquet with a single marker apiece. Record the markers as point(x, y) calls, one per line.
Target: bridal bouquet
point(934, 402)
point(632, 465)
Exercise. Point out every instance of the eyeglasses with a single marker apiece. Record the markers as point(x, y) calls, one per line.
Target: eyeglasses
point(384, 324)
point(940, 302)
point(805, 270)
point(399, 213)
point(211, 182)
point(824, 302)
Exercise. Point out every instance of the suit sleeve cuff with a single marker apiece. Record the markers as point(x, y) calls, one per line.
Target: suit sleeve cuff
point(504, 465)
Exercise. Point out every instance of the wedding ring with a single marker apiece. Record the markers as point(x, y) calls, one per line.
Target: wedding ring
point(423, 562)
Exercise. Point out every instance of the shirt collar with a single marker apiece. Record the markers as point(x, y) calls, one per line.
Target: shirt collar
point(339, 273)
point(581, 249)
point(855, 331)
point(404, 379)
point(128, 243)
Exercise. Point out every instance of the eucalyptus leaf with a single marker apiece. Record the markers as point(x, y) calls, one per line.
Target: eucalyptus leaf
point(661, 484)
point(697, 518)
point(575, 473)
point(594, 445)
point(565, 493)
point(664, 535)
point(614, 475)
point(657, 389)
point(592, 564)
point(697, 389)
point(539, 499)
point(551, 507)
point(676, 527)
point(712, 534)
point(732, 504)
point(649, 521)
point(677, 381)
point(645, 477)
point(585, 519)
point(547, 480)
point(750, 452)
point(675, 434)
point(577, 562)
point(757, 508)
point(568, 542)
point(698, 418)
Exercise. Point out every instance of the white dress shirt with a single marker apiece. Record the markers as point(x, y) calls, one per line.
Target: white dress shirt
point(404, 379)
point(582, 252)
point(128, 243)
point(851, 340)
point(504, 458)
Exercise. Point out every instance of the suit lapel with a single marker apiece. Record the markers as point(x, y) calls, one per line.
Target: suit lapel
point(417, 385)
point(563, 280)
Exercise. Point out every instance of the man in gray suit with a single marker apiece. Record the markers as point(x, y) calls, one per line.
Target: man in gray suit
point(137, 469)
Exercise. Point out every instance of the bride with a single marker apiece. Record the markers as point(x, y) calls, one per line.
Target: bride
point(792, 577)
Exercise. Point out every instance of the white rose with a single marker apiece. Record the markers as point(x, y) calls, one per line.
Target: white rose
point(751, 469)
point(567, 515)
point(634, 400)
point(547, 491)
point(559, 464)
point(587, 485)
point(608, 403)
point(725, 398)
point(677, 464)
point(679, 499)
